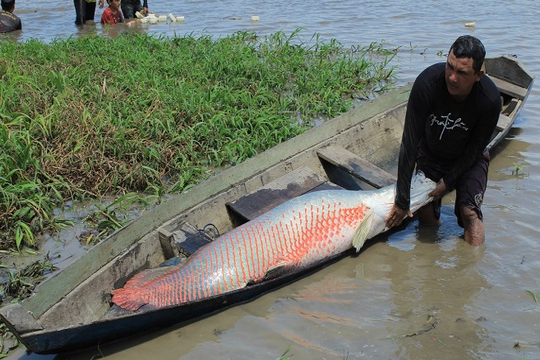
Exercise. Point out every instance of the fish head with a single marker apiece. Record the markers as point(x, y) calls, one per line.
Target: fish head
point(421, 187)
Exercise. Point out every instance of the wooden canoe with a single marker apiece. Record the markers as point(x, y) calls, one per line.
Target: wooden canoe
point(357, 150)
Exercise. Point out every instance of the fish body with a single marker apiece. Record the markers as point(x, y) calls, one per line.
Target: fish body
point(295, 235)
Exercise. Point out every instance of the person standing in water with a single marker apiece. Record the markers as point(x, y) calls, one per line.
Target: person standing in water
point(112, 14)
point(130, 7)
point(85, 10)
point(8, 20)
point(451, 114)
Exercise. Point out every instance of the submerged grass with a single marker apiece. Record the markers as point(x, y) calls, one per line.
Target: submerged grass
point(93, 116)
point(20, 284)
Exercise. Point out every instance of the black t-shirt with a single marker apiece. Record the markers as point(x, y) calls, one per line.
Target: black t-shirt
point(9, 22)
point(453, 132)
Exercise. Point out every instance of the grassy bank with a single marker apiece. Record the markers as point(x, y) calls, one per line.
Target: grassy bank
point(138, 114)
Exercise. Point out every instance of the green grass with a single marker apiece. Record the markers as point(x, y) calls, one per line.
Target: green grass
point(83, 118)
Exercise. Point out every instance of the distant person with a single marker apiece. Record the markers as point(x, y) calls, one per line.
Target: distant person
point(85, 10)
point(9, 21)
point(112, 14)
point(130, 7)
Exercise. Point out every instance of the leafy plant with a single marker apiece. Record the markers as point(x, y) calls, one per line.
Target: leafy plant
point(284, 355)
point(517, 169)
point(536, 297)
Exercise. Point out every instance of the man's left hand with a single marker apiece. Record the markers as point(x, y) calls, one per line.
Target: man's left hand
point(396, 216)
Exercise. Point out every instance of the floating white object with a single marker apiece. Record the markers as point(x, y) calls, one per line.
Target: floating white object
point(470, 24)
point(144, 20)
point(255, 18)
point(180, 18)
point(152, 19)
point(139, 15)
point(171, 16)
point(162, 18)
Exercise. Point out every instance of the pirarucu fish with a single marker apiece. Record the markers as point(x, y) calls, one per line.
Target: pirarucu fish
point(293, 236)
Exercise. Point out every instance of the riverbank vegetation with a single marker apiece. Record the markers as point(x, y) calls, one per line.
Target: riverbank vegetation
point(138, 117)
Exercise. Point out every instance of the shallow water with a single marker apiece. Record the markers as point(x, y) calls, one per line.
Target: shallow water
point(377, 305)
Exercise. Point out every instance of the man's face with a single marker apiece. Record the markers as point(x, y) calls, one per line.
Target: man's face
point(460, 76)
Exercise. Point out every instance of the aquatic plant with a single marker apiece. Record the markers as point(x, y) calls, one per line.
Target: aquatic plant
point(536, 297)
point(285, 355)
point(20, 284)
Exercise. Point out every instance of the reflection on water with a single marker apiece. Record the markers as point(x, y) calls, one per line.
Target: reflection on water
point(423, 293)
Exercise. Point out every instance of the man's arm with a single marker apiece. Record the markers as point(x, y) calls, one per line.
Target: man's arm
point(416, 115)
point(413, 130)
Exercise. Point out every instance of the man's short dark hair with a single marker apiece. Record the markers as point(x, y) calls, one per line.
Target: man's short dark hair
point(7, 5)
point(468, 46)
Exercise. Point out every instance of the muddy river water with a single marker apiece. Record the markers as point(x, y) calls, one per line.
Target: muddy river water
point(420, 294)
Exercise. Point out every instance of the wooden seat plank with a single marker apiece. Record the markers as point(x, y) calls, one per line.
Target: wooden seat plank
point(356, 166)
point(291, 185)
point(189, 239)
point(508, 88)
point(504, 122)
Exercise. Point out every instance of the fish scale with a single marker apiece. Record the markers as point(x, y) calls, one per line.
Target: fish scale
point(295, 235)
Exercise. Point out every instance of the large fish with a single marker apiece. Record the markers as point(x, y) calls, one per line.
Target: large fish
point(294, 235)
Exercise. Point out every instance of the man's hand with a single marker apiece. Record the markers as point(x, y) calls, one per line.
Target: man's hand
point(439, 192)
point(396, 216)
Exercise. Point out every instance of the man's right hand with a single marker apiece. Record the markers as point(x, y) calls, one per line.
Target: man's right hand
point(396, 216)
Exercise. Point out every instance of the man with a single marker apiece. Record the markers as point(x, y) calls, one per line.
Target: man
point(451, 114)
point(9, 21)
point(85, 10)
point(130, 7)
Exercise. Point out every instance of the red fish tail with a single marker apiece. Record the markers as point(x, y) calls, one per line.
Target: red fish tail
point(129, 298)
point(143, 287)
